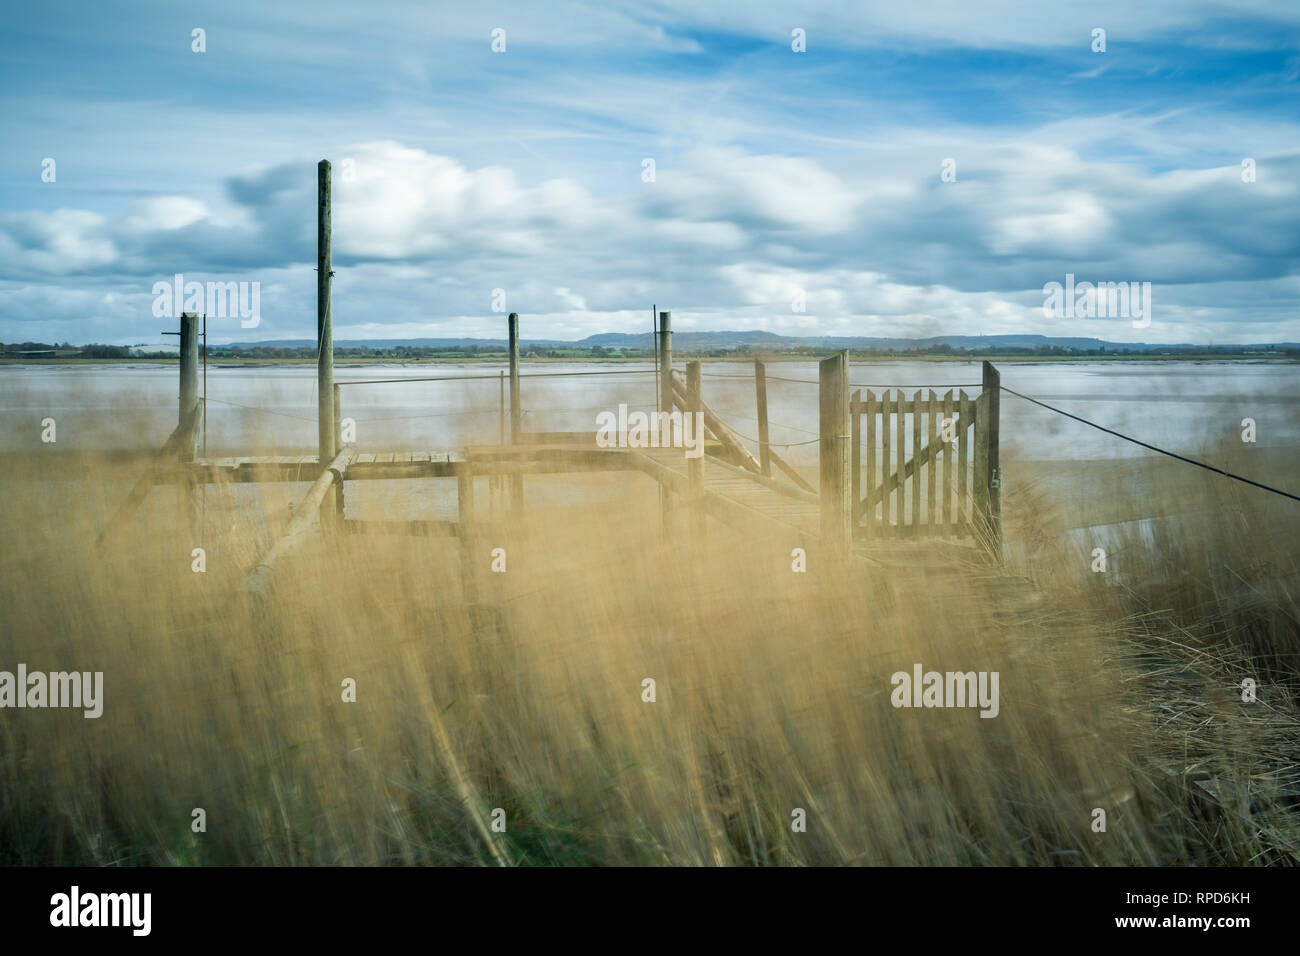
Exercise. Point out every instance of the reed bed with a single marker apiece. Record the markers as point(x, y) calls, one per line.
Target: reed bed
point(1120, 692)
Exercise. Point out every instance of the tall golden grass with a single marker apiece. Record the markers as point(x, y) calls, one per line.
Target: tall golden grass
point(1119, 692)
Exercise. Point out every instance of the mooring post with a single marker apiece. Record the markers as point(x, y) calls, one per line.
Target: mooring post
point(188, 416)
point(695, 466)
point(338, 420)
point(760, 390)
point(833, 409)
point(189, 359)
point(992, 387)
point(328, 443)
point(335, 497)
point(516, 417)
point(665, 407)
point(324, 320)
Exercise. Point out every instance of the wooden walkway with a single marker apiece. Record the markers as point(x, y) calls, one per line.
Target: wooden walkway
point(476, 460)
point(735, 496)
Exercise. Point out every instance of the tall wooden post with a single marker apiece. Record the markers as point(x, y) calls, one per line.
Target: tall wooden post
point(992, 387)
point(979, 490)
point(654, 342)
point(695, 466)
point(324, 320)
point(338, 418)
point(516, 416)
point(760, 390)
point(833, 408)
point(855, 458)
point(188, 415)
point(666, 404)
point(189, 361)
point(335, 498)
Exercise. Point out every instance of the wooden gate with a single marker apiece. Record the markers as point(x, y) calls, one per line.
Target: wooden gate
point(926, 462)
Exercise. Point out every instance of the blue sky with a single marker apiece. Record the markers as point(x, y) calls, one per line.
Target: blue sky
point(777, 174)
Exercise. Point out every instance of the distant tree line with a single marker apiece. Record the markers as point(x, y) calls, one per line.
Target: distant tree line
point(66, 350)
point(407, 353)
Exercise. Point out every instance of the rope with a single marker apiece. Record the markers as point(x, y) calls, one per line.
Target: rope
point(796, 381)
point(494, 378)
point(402, 418)
point(1190, 461)
point(808, 381)
point(932, 388)
point(778, 444)
point(264, 411)
point(793, 428)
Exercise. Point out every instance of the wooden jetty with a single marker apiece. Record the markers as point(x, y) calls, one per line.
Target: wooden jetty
point(876, 490)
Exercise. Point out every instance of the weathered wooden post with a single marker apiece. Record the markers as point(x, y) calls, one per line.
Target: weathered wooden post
point(324, 320)
point(338, 418)
point(695, 466)
point(760, 390)
point(189, 361)
point(855, 458)
point(833, 408)
point(992, 388)
point(188, 416)
point(334, 500)
point(516, 417)
point(326, 408)
point(665, 406)
point(979, 490)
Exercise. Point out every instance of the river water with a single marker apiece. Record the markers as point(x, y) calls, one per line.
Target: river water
point(1188, 407)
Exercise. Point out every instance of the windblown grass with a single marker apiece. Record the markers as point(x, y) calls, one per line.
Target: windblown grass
point(773, 692)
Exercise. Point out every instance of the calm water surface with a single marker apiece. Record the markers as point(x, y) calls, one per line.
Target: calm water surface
point(1185, 406)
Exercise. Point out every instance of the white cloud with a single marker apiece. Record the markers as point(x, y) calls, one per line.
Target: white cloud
point(164, 213)
point(725, 239)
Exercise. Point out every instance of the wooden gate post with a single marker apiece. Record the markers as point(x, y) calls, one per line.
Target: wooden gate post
point(987, 492)
point(760, 391)
point(665, 407)
point(833, 408)
point(855, 460)
point(992, 386)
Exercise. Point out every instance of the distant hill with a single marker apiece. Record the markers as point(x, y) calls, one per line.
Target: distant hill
point(759, 339)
